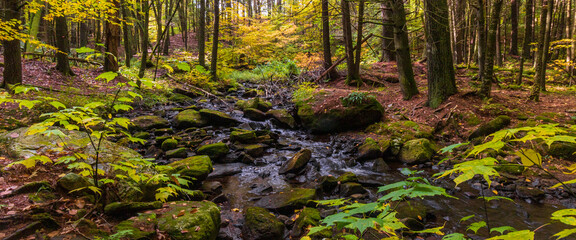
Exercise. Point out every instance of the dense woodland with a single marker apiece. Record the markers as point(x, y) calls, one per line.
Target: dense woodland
point(287, 119)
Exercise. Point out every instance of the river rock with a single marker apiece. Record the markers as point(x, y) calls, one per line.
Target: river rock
point(351, 188)
point(254, 114)
point(347, 177)
point(254, 150)
point(243, 136)
point(214, 151)
point(217, 118)
point(256, 103)
point(129, 208)
point(189, 118)
point(297, 162)
point(142, 226)
point(412, 214)
point(327, 184)
point(490, 127)
point(150, 122)
point(186, 220)
point(260, 224)
point(530, 192)
point(176, 153)
point(282, 117)
point(372, 149)
point(288, 200)
point(325, 113)
point(416, 151)
point(169, 144)
point(307, 217)
point(142, 135)
point(563, 150)
point(72, 181)
point(228, 169)
point(197, 167)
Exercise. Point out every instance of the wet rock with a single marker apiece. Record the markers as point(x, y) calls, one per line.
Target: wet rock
point(224, 170)
point(130, 208)
point(139, 227)
point(189, 118)
point(243, 136)
point(288, 200)
point(212, 187)
point(530, 193)
point(214, 151)
point(488, 128)
point(260, 224)
point(379, 165)
point(190, 220)
point(179, 98)
point(256, 103)
point(307, 217)
point(142, 135)
point(73, 181)
point(162, 131)
point(153, 152)
point(282, 117)
point(320, 119)
point(254, 114)
point(246, 159)
point(327, 184)
point(401, 131)
point(347, 177)
point(416, 151)
point(176, 153)
point(197, 167)
point(169, 144)
point(217, 118)
point(254, 150)
point(372, 149)
point(150, 122)
point(297, 162)
point(563, 150)
point(351, 188)
point(412, 214)
point(250, 93)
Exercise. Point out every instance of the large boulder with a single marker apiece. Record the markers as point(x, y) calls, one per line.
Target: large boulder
point(297, 162)
point(417, 151)
point(256, 103)
point(243, 136)
point(176, 153)
point(282, 117)
point(189, 118)
point(260, 224)
point(197, 167)
point(490, 127)
point(288, 200)
point(217, 118)
point(325, 113)
point(150, 122)
point(372, 149)
point(254, 114)
point(190, 220)
point(73, 181)
point(129, 208)
point(139, 227)
point(214, 150)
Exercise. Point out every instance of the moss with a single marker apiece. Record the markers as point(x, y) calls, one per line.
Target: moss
point(169, 144)
point(191, 220)
point(417, 151)
point(297, 162)
point(471, 119)
point(126, 208)
point(288, 200)
point(190, 118)
point(72, 181)
point(177, 153)
point(150, 122)
point(347, 177)
point(142, 135)
point(197, 167)
point(403, 130)
point(490, 127)
point(243, 136)
point(307, 217)
point(139, 227)
point(214, 151)
point(217, 118)
point(260, 224)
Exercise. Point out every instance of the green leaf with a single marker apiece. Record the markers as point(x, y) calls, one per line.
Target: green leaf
point(476, 226)
point(496, 145)
point(437, 231)
point(134, 95)
point(122, 107)
point(488, 199)
point(452, 147)
point(529, 157)
point(565, 233)
point(455, 236)
point(85, 50)
point(566, 216)
point(125, 99)
point(201, 69)
point(94, 105)
point(503, 229)
point(183, 66)
point(467, 170)
point(317, 229)
point(350, 237)
point(467, 217)
point(108, 76)
point(519, 235)
point(23, 89)
point(564, 183)
point(332, 202)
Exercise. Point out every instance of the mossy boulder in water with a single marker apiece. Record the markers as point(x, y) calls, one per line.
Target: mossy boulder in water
point(417, 151)
point(282, 117)
point(214, 150)
point(217, 118)
point(254, 114)
point(243, 136)
point(372, 149)
point(189, 118)
point(288, 200)
point(297, 162)
point(197, 167)
point(347, 177)
point(190, 220)
point(398, 132)
point(325, 113)
point(150, 122)
point(256, 103)
point(260, 224)
point(176, 153)
point(490, 127)
point(169, 144)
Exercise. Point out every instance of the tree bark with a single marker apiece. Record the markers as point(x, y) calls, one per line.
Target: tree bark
point(214, 60)
point(358, 58)
point(144, 40)
point(127, 34)
point(388, 53)
point(12, 53)
point(34, 29)
point(332, 74)
point(202, 34)
point(402, 49)
point(182, 16)
point(514, 8)
point(441, 79)
point(542, 54)
point(347, 29)
point(481, 44)
point(486, 85)
point(63, 45)
point(112, 39)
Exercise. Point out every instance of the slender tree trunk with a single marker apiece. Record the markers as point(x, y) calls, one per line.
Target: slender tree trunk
point(347, 29)
point(543, 46)
point(12, 53)
point(441, 79)
point(388, 52)
point(128, 49)
point(34, 29)
point(481, 44)
point(201, 34)
point(169, 8)
point(514, 9)
point(527, 39)
point(402, 49)
point(359, 41)
point(182, 16)
point(63, 45)
point(333, 74)
point(158, 17)
point(112, 39)
point(84, 34)
point(214, 60)
point(144, 21)
point(486, 86)
point(459, 31)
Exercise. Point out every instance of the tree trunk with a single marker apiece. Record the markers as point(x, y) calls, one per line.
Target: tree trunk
point(402, 49)
point(214, 60)
point(158, 17)
point(128, 49)
point(347, 29)
point(486, 86)
point(169, 8)
point(543, 46)
point(183, 23)
point(441, 80)
point(388, 54)
point(12, 53)
point(514, 8)
point(63, 45)
point(202, 34)
point(112, 39)
point(84, 34)
point(527, 39)
point(481, 25)
point(144, 21)
point(459, 31)
point(333, 74)
point(359, 41)
point(34, 29)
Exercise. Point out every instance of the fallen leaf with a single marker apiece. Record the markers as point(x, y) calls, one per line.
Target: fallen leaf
point(194, 210)
point(181, 213)
point(80, 203)
point(73, 212)
point(197, 228)
point(11, 213)
point(184, 231)
point(235, 210)
point(14, 135)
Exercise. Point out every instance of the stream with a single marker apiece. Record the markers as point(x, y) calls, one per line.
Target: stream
point(243, 184)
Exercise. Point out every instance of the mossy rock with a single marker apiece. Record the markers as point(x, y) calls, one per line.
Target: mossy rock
point(243, 136)
point(189, 118)
point(327, 184)
point(179, 98)
point(297, 162)
point(294, 198)
point(142, 135)
point(350, 188)
point(307, 217)
point(214, 150)
point(73, 181)
point(372, 149)
point(256, 103)
point(260, 224)
point(169, 144)
point(254, 114)
point(217, 118)
point(197, 167)
point(150, 122)
point(564, 150)
point(176, 153)
point(417, 151)
point(412, 214)
point(490, 127)
point(402, 130)
point(254, 150)
point(139, 227)
point(129, 208)
point(282, 118)
point(347, 177)
point(190, 220)
point(33, 187)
